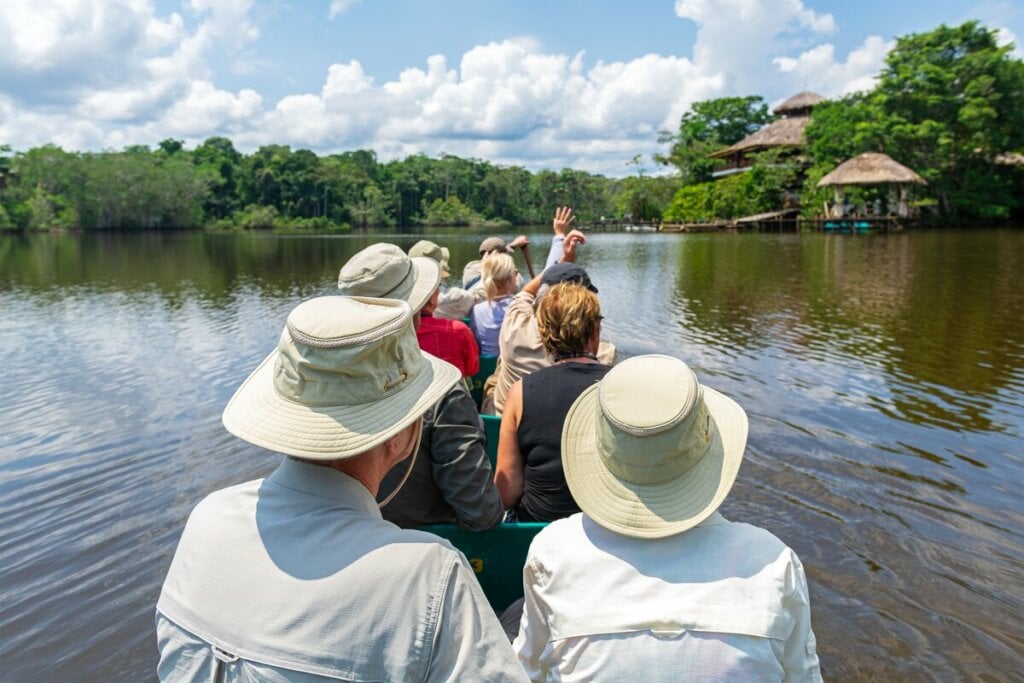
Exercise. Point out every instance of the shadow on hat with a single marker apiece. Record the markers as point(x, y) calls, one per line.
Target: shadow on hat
point(347, 375)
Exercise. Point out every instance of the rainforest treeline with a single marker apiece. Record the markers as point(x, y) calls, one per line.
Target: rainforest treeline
point(949, 104)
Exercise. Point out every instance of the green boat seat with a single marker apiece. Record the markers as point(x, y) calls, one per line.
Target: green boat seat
point(476, 382)
point(496, 555)
point(492, 428)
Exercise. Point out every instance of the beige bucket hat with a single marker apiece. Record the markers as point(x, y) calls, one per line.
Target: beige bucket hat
point(384, 271)
point(648, 451)
point(347, 375)
point(431, 250)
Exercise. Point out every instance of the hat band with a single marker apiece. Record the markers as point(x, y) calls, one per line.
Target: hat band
point(346, 376)
point(656, 458)
point(405, 285)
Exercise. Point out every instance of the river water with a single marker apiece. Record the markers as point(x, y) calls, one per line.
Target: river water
point(883, 376)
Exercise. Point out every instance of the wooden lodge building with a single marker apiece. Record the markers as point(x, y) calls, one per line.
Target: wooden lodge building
point(870, 169)
point(786, 132)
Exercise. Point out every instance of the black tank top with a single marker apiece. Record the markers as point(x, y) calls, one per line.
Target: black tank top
point(547, 396)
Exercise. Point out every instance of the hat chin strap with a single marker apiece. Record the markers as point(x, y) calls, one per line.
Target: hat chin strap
point(412, 461)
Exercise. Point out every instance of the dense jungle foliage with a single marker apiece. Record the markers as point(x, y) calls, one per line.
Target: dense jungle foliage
point(948, 104)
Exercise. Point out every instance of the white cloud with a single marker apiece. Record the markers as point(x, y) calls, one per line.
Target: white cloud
point(817, 68)
point(128, 76)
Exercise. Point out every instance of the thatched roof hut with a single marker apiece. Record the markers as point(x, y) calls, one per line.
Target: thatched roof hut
point(799, 104)
point(782, 133)
point(785, 132)
point(871, 168)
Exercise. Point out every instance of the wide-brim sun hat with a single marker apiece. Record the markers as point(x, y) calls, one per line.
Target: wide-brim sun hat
point(347, 375)
point(648, 451)
point(384, 271)
point(432, 250)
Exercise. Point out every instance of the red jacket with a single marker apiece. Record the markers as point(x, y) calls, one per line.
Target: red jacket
point(450, 340)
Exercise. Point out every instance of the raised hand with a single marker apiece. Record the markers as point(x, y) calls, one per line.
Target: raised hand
point(563, 221)
point(572, 241)
point(520, 241)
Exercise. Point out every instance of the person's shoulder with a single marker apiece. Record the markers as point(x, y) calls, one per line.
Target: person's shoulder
point(558, 535)
point(228, 496)
point(458, 397)
point(429, 547)
point(754, 541)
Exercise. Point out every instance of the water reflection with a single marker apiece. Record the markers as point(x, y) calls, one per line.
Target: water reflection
point(882, 375)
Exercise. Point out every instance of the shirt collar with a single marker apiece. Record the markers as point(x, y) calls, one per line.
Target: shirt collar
point(324, 482)
point(715, 518)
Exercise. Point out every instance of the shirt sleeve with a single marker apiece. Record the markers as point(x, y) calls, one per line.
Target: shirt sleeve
point(469, 643)
point(518, 316)
point(518, 313)
point(800, 655)
point(183, 656)
point(556, 251)
point(534, 633)
point(460, 465)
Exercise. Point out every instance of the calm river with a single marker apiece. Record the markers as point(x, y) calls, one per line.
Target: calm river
point(883, 376)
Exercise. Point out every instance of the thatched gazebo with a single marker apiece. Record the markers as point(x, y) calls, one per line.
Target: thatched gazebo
point(786, 132)
point(871, 168)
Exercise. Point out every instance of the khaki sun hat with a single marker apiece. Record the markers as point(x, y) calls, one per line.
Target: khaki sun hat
point(492, 244)
point(648, 451)
point(347, 375)
point(428, 249)
point(384, 271)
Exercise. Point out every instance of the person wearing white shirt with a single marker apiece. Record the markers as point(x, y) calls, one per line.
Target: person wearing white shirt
point(650, 583)
point(297, 577)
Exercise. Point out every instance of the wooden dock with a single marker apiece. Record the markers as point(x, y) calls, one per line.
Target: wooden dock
point(788, 220)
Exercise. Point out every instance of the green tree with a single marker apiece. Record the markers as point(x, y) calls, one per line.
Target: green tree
point(170, 146)
point(953, 100)
point(220, 163)
point(711, 125)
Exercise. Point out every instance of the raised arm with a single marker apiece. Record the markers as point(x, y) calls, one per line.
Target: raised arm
point(508, 476)
point(560, 225)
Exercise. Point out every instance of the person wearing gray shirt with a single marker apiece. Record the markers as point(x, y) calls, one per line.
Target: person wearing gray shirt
point(451, 480)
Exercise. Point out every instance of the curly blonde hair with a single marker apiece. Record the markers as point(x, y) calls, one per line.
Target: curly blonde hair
point(497, 270)
point(567, 318)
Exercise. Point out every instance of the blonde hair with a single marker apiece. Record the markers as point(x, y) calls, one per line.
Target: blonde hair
point(497, 270)
point(568, 318)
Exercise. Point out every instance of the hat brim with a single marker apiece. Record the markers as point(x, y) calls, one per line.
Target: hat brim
point(427, 272)
point(651, 511)
point(257, 413)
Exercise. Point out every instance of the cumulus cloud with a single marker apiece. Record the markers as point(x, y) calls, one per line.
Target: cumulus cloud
point(819, 70)
point(125, 75)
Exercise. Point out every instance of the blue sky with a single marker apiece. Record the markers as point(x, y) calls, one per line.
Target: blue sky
point(536, 83)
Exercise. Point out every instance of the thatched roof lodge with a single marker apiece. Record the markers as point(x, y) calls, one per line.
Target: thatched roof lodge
point(780, 133)
point(786, 132)
point(871, 168)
